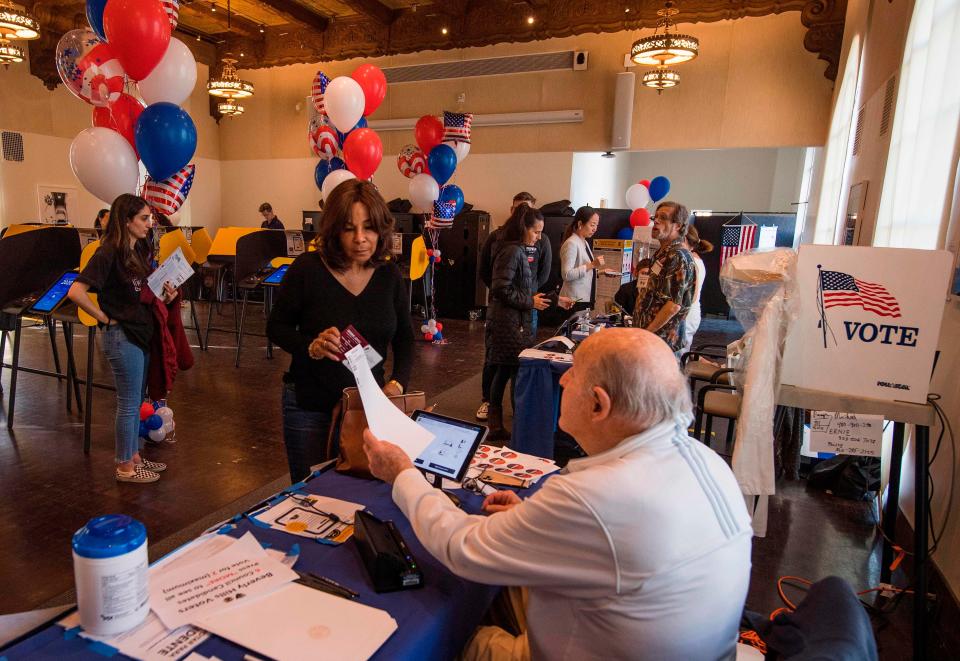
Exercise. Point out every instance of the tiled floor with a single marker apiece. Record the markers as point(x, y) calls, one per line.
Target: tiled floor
point(228, 424)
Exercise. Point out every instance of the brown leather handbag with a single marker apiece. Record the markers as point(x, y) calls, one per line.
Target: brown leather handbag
point(349, 421)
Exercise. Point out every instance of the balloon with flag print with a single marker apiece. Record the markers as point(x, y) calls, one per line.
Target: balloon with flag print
point(411, 161)
point(168, 196)
point(456, 126)
point(317, 90)
point(324, 140)
point(172, 7)
point(452, 193)
point(89, 68)
point(443, 214)
point(121, 116)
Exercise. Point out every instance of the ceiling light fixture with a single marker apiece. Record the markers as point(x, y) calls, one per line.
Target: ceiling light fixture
point(229, 108)
point(660, 79)
point(17, 23)
point(530, 20)
point(666, 48)
point(10, 54)
point(444, 31)
point(228, 85)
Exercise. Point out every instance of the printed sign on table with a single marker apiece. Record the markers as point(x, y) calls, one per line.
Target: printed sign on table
point(869, 321)
point(846, 433)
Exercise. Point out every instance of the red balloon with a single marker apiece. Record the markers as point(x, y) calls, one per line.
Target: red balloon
point(644, 182)
point(428, 337)
point(121, 116)
point(138, 32)
point(439, 326)
point(429, 132)
point(374, 86)
point(640, 218)
point(363, 152)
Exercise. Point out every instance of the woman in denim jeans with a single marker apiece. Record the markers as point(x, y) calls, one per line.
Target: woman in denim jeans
point(118, 272)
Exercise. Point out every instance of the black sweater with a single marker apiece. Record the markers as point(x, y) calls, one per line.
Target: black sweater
point(312, 300)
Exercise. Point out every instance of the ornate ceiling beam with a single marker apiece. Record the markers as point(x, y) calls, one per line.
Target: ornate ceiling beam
point(824, 20)
point(193, 15)
point(373, 9)
point(298, 13)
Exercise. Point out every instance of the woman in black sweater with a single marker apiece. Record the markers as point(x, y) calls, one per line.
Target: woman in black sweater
point(514, 295)
point(346, 281)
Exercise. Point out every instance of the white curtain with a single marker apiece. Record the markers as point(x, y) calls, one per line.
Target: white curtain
point(921, 166)
point(839, 146)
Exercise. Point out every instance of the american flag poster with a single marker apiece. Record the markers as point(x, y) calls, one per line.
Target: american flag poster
point(169, 195)
point(736, 239)
point(861, 322)
point(456, 126)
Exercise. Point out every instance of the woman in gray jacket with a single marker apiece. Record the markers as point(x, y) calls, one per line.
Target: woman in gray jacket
point(577, 263)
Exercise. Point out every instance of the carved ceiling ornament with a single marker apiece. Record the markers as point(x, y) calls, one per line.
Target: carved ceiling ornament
point(469, 23)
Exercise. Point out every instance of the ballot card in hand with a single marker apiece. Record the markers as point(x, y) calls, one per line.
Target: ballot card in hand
point(350, 337)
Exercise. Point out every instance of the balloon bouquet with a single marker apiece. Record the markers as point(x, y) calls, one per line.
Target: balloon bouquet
point(441, 147)
point(639, 196)
point(339, 134)
point(156, 422)
point(135, 75)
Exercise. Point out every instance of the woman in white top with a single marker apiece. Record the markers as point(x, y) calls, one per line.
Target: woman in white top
point(577, 263)
point(697, 247)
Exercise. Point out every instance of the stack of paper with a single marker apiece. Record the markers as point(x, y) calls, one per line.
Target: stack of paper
point(512, 463)
point(308, 516)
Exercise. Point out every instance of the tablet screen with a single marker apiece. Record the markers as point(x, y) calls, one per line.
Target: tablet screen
point(55, 294)
point(449, 454)
point(276, 277)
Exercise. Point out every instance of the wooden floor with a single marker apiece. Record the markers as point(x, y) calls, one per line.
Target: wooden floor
point(229, 445)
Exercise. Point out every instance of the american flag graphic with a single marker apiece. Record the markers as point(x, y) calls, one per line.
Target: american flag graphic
point(841, 289)
point(172, 7)
point(169, 195)
point(317, 90)
point(456, 126)
point(443, 213)
point(736, 239)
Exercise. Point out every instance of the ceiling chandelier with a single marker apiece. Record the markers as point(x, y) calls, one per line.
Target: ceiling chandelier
point(229, 108)
point(661, 78)
point(666, 48)
point(228, 85)
point(17, 23)
point(9, 54)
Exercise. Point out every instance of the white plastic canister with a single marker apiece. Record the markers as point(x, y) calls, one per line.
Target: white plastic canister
point(110, 569)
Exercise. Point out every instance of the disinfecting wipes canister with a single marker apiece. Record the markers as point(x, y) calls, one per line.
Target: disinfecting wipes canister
point(110, 569)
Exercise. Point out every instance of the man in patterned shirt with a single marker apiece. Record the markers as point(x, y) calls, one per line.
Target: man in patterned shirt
point(663, 304)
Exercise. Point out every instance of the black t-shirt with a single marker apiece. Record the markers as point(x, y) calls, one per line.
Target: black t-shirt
point(273, 224)
point(311, 300)
point(119, 295)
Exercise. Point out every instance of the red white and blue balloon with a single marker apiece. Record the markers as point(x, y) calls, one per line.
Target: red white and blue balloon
point(323, 137)
point(172, 7)
point(411, 161)
point(443, 214)
point(168, 196)
point(317, 90)
point(89, 68)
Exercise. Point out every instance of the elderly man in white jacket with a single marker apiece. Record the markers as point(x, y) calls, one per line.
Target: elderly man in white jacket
point(641, 550)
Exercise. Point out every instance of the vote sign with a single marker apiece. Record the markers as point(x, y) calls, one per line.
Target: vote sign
point(869, 321)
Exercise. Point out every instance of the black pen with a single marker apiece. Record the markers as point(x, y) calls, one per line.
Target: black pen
point(332, 583)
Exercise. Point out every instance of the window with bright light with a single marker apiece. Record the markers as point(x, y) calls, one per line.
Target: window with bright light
point(918, 183)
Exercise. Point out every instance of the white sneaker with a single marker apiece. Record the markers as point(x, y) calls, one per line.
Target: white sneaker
point(484, 411)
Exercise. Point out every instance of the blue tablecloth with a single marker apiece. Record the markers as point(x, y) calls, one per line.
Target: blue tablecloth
point(536, 406)
point(433, 622)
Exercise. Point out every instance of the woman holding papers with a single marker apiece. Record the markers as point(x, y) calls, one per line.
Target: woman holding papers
point(513, 297)
point(118, 272)
point(577, 264)
point(347, 281)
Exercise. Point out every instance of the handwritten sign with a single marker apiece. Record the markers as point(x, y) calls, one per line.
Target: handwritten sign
point(846, 433)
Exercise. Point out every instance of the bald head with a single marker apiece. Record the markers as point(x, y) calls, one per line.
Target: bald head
point(639, 373)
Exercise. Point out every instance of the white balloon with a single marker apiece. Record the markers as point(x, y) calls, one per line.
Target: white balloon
point(165, 413)
point(637, 196)
point(104, 162)
point(344, 101)
point(174, 77)
point(461, 149)
point(157, 434)
point(424, 329)
point(424, 191)
point(333, 180)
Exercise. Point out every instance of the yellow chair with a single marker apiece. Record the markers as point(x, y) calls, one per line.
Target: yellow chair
point(169, 243)
point(201, 242)
point(85, 256)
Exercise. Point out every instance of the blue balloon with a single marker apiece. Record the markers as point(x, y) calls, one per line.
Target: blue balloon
point(442, 161)
point(154, 422)
point(166, 138)
point(95, 17)
point(325, 167)
point(659, 187)
point(452, 192)
point(144, 431)
point(625, 234)
point(362, 124)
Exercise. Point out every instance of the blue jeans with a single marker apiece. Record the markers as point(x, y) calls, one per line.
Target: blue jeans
point(129, 365)
point(304, 435)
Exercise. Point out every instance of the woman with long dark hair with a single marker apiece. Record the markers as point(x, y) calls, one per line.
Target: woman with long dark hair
point(347, 281)
point(513, 297)
point(577, 264)
point(118, 272)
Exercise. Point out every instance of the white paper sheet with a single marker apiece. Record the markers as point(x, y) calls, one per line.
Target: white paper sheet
point(297, 622)
point(856, 434)
point(240, 572)
point(302, 516)
point(149, 641)
point(768, 237)
point(386, 421)
point(175, 269)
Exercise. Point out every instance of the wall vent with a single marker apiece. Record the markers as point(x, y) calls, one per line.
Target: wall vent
point(888, 97)
point(12, 146)
point(492, 66)
point(858, 132)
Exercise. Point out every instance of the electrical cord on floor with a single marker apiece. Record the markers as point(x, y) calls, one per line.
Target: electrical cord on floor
point(945, 426)
point(800, 583)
